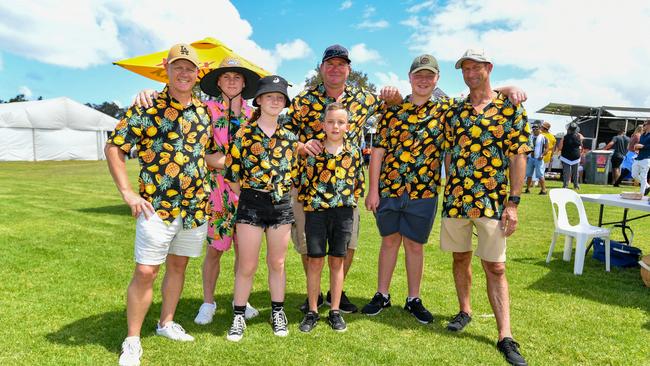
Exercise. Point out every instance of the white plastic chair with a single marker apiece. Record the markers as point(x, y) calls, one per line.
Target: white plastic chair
point(582, 232)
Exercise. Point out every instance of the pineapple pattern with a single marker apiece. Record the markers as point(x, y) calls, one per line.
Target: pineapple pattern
point(413, 138)
point(223, 201)
point(257, 161)
point(327, 180)
point(171, 150)
point(307, 111)
point(481, 146)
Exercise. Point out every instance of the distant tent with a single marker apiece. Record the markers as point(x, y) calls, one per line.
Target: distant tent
point(52, 129)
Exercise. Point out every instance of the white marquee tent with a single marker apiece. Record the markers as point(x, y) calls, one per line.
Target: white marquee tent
point(52, 129)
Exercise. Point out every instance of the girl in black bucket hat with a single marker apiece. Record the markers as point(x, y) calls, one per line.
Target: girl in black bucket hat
point(260, 165)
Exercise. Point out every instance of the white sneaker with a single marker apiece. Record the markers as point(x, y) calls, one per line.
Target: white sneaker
point(131, 353)
point(250, 312)
point(236, 332)
point(206, 313)
point(174, 331)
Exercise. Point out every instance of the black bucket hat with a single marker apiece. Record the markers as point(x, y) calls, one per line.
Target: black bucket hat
point(272, 84)
point(230, 64)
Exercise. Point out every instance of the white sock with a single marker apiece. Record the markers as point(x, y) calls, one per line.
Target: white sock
point(133, 339)
point(409, 299)
point(384, 295)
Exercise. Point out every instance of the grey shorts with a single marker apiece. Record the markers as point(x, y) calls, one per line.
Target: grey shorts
point(410, 218)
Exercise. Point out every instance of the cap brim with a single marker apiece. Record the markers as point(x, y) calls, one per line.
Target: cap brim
point(209, 81)
point(341, 57)
point(272, 90)
point(432, 69)
point(459, 63)
point(196, 63)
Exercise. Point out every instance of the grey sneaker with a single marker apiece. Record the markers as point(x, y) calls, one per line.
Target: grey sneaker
point(309, 322)
point(336, 321)
point(510, 350)
point(459, 322)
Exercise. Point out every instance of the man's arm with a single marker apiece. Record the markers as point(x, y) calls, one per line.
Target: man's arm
point(374, 169)
point(117, 167)
point(216, 160)
point(515, 94)
point(517, 174)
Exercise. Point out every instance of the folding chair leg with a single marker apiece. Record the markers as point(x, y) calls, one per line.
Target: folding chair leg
point(568, 245)
point(607, 254)
point(579, 264)
point(550, 250)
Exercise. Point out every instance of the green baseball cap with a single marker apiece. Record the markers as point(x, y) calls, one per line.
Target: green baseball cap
point(424, 62)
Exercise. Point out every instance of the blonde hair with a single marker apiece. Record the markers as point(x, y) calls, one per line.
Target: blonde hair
point(336, 106)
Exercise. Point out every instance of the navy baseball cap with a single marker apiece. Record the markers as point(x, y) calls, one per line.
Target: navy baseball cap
point(335, 51)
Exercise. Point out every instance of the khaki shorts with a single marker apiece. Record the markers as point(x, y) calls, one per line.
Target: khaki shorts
point(456, 236)
point(298, 227)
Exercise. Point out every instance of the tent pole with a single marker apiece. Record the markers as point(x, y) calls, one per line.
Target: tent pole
point(594, 140)
point(34, 142)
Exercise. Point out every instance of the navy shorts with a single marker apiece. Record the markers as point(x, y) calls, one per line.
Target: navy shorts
point(410, 218)
point(329, 228)
point(256, 208)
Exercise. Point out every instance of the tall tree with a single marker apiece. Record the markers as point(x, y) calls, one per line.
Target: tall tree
point(109, 108)
point(356, 78)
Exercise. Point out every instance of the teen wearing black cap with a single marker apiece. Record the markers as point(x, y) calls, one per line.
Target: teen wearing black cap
point(260, 166)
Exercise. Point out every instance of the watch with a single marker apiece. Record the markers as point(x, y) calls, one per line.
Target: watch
point(514, 199)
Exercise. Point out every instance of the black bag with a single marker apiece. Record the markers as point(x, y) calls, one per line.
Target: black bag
point(621, 255)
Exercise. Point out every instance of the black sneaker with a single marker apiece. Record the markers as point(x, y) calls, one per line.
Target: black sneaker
point(309, 321)
point(527, 190)
point(336, 321)
point(279, 323)
point(459, 322)
point(510, 350)
point(236, 331)
point(345, 305)
point(305, 305)
point(418, 310)
point(376, 305)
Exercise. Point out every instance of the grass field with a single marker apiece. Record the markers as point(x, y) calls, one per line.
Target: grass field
point(67, 248)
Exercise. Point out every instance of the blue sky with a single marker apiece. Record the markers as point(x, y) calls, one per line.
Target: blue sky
point(558, 51)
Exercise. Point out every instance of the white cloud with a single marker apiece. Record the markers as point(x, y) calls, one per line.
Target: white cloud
point(425, 5)
point(590, 55)
point(346, 5)
point(293, 50)
point(391, 79)
point(27, 92)
point(412, 22)
point(298, 87)
point(369, 11)
point(373, 25)
point(359, 53)
point(102, 31)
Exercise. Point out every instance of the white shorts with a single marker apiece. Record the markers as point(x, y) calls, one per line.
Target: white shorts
point(154, 240)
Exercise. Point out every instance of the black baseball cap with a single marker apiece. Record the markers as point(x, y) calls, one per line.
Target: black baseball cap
point(335, 51)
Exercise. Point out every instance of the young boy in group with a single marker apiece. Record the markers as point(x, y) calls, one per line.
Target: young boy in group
point(330, 184)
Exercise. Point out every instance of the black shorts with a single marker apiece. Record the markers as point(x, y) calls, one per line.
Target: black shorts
point(332, 226)
point(617, 161)
point(410, 218)
point(256, 208)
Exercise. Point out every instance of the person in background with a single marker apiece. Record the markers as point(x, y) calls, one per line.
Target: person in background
point(570, 148)
point(535, 163)
point(619, 145)
point(641, 165)
point(626, 165)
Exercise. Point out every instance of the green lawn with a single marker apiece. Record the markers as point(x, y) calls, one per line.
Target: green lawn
point(67, 242)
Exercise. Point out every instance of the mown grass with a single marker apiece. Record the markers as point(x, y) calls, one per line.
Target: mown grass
point(67, 242)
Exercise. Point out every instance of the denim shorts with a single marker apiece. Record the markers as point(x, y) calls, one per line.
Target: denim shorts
point(256, 208)
point(410, 218)
point(329, 228)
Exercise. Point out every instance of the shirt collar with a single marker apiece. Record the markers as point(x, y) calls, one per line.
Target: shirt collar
point(164, 94)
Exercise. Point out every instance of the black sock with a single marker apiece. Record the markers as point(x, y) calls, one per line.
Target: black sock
point(239, 310)
point(277, 305)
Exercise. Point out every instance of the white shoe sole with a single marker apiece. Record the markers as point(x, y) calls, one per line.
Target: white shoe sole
point(234, 338)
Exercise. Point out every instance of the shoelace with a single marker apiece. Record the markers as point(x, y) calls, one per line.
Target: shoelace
point(459, 318)
point(130, 348)
point(177, 327)
point(417, 306)
point(510, 346)
point(279, 321)
point(238, 324)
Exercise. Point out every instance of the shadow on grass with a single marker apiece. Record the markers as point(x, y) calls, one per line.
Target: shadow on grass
point(120, 210)
point(621, 287)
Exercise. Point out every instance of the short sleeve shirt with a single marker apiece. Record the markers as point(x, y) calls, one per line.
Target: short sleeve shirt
point(413, 137)
point(172, 141)
point(480, 145)
point(258, 161)
point(307, 111)
point(327, 180)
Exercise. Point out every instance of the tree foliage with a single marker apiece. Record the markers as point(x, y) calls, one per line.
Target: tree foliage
point(356, 78)
point(109, 108)
point(18, 98)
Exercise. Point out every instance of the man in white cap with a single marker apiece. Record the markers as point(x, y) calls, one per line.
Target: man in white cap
point(171, 207)
point(488, 140)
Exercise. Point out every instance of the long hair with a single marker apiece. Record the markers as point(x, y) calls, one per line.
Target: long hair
point(256, 115)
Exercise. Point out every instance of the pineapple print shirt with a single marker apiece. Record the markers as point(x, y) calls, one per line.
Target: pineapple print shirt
point(172, 141)
point(264, 163)
point(328, 180)
point(481, 146)
point(307, 111)
point(413, 137)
